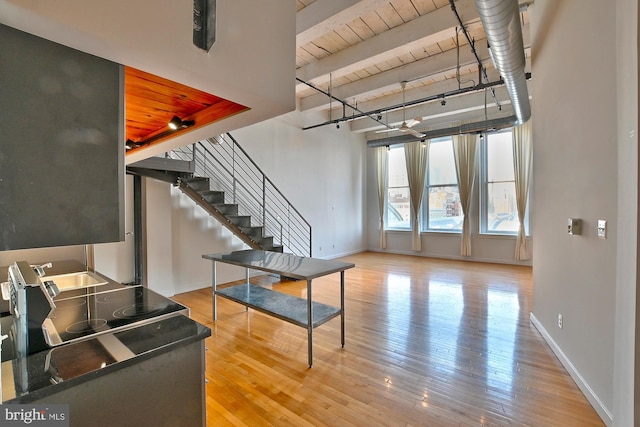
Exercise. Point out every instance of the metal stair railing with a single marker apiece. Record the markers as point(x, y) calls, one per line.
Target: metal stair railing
point(230, 169)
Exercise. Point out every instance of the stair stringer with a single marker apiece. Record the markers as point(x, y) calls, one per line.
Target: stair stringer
point(238, 231)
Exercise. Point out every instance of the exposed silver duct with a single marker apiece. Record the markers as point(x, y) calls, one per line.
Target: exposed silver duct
point(501, 22)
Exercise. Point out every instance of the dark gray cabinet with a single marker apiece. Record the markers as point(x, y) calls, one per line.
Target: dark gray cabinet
point(61, 144)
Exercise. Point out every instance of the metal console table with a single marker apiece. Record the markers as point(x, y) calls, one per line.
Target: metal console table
point(299, 311)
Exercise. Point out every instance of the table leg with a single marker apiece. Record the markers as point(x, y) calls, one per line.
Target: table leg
point(342, 307)
point(309, 324)
point(246, 308)
point(214, 285)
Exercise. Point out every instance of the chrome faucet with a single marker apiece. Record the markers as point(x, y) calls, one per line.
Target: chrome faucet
point(39, 269)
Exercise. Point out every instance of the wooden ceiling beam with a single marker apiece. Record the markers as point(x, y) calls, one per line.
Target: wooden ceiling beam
point(431, 67)
point(427, 29)
point(322, 16)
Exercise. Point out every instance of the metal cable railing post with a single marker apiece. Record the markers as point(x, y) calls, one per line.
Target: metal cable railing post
point(289, 226)
point(264, 202)
point(233, 171)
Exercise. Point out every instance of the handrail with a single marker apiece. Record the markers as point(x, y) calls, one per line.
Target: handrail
point(231, 170)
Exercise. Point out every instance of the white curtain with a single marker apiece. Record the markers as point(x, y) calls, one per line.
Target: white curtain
point(416, 154)
point(382, 167)
point(465, 153)
point(522, 159)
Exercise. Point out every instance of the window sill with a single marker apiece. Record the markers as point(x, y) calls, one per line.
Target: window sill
point(500, 236)
point(443, 232)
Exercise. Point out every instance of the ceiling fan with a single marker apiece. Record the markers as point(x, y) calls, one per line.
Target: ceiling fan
point(406, 126)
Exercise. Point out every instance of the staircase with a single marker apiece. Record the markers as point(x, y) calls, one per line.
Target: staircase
point(218, 175)
point(198, 189)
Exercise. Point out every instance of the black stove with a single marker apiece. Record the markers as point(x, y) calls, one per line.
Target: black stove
point(77, 318)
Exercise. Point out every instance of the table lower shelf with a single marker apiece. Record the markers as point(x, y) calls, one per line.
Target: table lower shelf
point(283, 306)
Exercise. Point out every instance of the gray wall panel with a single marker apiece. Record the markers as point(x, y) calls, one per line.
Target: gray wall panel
point(61, 145)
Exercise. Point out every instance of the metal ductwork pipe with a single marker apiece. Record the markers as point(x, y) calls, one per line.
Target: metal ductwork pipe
point(501, 22)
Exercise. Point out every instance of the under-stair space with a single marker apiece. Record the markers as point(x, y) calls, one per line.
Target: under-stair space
point(220, 177)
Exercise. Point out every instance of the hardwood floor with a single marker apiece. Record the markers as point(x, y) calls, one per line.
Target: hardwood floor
point(428, 343)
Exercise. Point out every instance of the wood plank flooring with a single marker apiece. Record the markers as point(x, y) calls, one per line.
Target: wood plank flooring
point(428, 343)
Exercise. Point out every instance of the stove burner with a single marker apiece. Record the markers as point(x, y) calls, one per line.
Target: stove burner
point(137, 311)
point(91, 325)
point(109, 297)
point(110, 311)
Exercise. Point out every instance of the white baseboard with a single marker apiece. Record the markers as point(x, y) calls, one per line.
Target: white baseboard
point(597, 404)
point(526, 263)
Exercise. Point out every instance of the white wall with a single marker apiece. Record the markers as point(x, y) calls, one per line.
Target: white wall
point(116, 260)
point(322, 173)
point(626, 401)
point(43, 255)
point(484, 248)
point(177, 234)
point(156, 36)
point(575, 172)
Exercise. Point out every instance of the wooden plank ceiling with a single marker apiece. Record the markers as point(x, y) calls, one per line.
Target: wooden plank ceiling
point(361, 51)
point(152, 101)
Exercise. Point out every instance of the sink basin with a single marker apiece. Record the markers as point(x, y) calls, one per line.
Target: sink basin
point(81, 279)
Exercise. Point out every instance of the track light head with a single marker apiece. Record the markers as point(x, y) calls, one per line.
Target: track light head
point(177, 123)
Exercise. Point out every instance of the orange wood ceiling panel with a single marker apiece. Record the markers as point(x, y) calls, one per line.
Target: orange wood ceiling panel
point(151, 101)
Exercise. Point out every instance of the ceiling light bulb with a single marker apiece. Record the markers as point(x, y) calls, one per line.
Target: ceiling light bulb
point(175, 122)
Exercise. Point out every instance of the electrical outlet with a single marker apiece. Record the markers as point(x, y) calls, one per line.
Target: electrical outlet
point(560, 321)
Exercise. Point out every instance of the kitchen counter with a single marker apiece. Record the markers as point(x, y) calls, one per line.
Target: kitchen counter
point(108, 377)
point(48, 372)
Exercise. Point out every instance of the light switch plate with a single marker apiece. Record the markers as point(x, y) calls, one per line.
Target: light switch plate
point(602, 229)
point(574, 226)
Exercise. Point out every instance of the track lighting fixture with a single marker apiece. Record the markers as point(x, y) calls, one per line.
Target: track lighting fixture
point(131, 144)
point(444, 101)
point(177, 123)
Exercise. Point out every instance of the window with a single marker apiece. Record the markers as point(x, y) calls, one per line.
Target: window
point(398, 201)
point(441, 209)
point(499, 211)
